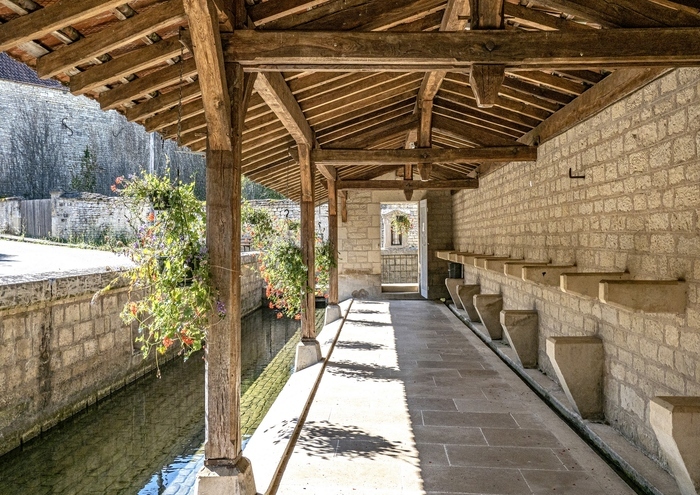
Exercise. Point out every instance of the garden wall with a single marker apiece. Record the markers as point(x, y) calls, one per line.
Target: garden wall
point(61, 351)
point(637, 209)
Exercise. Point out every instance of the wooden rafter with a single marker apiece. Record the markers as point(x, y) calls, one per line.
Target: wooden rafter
point(120, 67)
point(410, 185)
point(114, 36)
point(272, 87)
point(298, 50)
point(361, 157)
point(44, 21)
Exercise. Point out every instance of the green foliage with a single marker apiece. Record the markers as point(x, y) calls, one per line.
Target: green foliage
point(85, 180)
point(170, 292)
point(280, 260)
point(401, 223)
point(253, 190)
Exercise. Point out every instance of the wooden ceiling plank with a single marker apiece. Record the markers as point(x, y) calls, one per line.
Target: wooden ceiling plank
point(202, 17)
point(659, 47)
point(536, 90)
point(469, 132)
point(138, 88)
point(541, 20)
point(266, 12)
point(130, 63)
point(159, 121)
point(272, 87)
point(376, 133)
point(163, 102)
point(361, 157)
point(477, 118)
point(114, 36)
point(43, 21)
point(359, 124)
point(608, 91)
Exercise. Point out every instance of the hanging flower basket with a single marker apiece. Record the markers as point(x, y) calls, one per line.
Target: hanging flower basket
point(401, 223)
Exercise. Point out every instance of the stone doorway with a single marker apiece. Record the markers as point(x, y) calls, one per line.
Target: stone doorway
point(399, 250)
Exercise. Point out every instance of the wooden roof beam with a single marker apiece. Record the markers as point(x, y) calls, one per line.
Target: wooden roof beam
point(114, 36)
point(297, 50)
point(272, 87)
point(407, 185)
point(361, 157)
point(142, 86)
point(44, 21)
point(202, 16)
point(611, 89)
point(132, 62)
point(163, 102)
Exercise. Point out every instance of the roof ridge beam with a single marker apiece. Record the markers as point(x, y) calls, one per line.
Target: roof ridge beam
point(364, 157)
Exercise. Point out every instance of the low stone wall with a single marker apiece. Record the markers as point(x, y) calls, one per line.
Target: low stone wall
point(400, 268)
point(61, 350)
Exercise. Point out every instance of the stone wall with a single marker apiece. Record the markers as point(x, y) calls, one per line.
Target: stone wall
point(61, 350)
point(91, 216)
point(637, 209)
point(359, 240)
point(281, 209)
point(10, 220)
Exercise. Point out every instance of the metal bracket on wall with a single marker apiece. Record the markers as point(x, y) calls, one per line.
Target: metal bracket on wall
point(571, 176)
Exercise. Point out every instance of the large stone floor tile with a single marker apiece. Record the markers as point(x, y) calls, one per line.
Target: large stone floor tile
point(448, 434)
point(454, 480)
point(503, 457)
point(483, 420)
point(520, 438)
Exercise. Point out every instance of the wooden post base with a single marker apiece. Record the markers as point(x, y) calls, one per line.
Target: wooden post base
point(225, 479)
point(333, 313)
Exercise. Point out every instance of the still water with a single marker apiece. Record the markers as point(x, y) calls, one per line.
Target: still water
point(139, 439)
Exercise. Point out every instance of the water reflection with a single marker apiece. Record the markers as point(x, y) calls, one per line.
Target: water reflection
point(136, 440)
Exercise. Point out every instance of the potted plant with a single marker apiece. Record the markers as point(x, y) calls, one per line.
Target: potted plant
point(171, 297)
point(401, 223)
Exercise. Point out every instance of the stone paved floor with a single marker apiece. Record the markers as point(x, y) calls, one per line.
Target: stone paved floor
point(413, 403)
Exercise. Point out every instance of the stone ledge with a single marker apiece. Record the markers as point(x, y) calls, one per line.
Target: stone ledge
point(649, 296)
point(586, 284)
point(547, 274)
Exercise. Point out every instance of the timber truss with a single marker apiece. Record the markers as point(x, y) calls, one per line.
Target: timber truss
point(436, 90)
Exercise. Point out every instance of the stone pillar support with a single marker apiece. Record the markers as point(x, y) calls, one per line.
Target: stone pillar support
point(676, 422)
point(650, 296)
point(521, 330)
point(452, 284)
point(488, 307)
point(547, 274)
point(466, 294)
point(578, 363)
point(587, 284)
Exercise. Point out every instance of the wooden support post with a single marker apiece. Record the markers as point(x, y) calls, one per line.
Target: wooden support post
point(224, 94)
point(332, 309)
point(344, 206)
point(308, 351)
point(425, 134)
point(486, 80)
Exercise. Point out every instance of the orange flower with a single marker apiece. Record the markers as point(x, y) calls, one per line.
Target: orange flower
point(113, 188)
point(279, 315)
point(167, 342)
point(151, 217)
point(133, 308)
point(297, 317)
point(271, 306)
point(119, 179)
point(186, 340)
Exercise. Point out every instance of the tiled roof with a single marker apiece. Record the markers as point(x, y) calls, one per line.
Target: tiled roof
point(12, 70)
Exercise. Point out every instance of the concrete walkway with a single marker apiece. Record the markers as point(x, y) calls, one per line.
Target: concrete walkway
point(28, 261)
point(413, 403)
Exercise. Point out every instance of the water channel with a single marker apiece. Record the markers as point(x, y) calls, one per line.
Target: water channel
point(143, 438)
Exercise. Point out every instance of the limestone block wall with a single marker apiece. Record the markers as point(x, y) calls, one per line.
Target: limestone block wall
point(284, 208)
point(61, 350)
point(359, 240)
point(89, 215)
point(636, 209)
